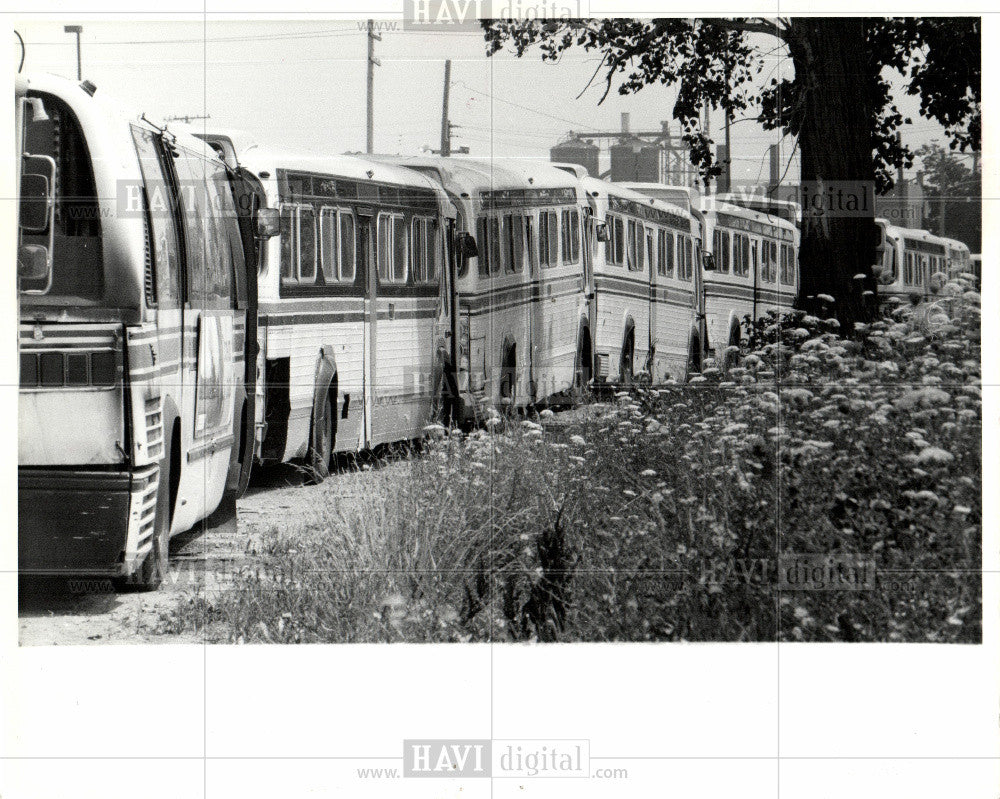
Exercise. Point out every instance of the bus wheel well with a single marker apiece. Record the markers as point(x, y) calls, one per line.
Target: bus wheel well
point(508, 369)
point(175, 468)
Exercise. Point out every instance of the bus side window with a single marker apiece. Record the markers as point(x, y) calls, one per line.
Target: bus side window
point(484, 247)
point(227, 221)
point(553, 238)
point(661, 253)
point(544, 256)
point(307, 244)
point(531, 243)
point(328, 245)
point(347, 246)
point(609, 242)
point(289, 243)
point(496, 250)
point(162, 221)
point(570, 236)
point(399, 242)
point(384, 245)
point(517, 243)
point(430, 249)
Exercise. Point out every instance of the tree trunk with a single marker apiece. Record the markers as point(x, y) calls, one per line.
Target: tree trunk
point(838, 174)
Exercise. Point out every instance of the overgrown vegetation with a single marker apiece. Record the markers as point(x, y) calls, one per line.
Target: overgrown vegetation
point(666, 514)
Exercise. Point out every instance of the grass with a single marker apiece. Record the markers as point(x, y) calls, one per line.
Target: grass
point(666, 514)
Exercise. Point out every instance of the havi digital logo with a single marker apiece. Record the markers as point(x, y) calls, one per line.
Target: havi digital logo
point(446, 758)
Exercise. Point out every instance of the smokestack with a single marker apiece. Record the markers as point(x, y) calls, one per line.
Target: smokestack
point(722, 156)
point(775, 153)
point(625, 126)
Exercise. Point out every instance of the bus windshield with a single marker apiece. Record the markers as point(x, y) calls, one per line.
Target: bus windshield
point(77, 258)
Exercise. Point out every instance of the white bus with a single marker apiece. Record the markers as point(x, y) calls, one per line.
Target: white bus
point(355, 298)
point(752, 268)
point(647, 285)
point(134, 303)
point(523, 311)
point(959, 257)
point(908, 258)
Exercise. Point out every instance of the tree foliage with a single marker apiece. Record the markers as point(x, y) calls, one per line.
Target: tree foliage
point(726, 64)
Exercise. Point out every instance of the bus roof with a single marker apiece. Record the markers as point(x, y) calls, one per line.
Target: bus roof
point(595, 187)
point(264, 159)
point(99, 112)
point(684, 196)
point(469, 176)
point(712, 204)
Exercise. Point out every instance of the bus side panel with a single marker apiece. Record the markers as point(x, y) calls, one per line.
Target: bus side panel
point(403, 364)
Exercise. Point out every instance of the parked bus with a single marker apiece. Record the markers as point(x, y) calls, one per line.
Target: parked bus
point(959, 257)
point(647, 285)
point(355, 301)
point(752, 267)
point(523, 311)
point(908, 258)
point(134, 302)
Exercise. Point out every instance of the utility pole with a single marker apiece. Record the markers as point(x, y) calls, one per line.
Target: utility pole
point(77, 29)
point(729, 155)
point(708, 135)
point(445, 123)
point(372, 63)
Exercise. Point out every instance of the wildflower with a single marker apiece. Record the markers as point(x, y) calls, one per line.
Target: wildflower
point(647, 473)
point(547, 413)
point(935, 455)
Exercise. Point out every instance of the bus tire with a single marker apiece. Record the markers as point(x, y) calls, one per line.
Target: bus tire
point(584, 371)
point(694, 358)
point(626, 364)
point(508, 374)
point(321, 442)
point(731, 359)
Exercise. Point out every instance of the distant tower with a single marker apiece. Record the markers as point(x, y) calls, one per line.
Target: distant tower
point(576, 150)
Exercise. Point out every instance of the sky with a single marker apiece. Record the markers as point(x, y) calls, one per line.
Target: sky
point(301, 85)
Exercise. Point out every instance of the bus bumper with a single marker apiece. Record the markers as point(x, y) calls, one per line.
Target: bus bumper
point(77, 522)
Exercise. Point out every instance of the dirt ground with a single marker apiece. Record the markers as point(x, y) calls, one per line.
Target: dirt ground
point(59, 611)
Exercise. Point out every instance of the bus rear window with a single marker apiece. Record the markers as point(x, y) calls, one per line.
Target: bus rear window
point(77, 257)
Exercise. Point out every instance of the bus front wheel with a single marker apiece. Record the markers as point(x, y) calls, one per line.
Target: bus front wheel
point(321, 442)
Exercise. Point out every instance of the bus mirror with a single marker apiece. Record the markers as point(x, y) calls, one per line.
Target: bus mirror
point(267, 223)
point(33, 263)
point(36, 203)
point(708, 262)
point(465, 245)
point(602, 232)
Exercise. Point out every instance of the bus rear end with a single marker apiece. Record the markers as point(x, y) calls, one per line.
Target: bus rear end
point(122, 363)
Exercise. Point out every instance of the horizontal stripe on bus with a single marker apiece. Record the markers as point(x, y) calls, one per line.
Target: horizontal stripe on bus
point(520, 285)
point(523, 291)
point(681, 302)
point(472, 310)
point(747, 294)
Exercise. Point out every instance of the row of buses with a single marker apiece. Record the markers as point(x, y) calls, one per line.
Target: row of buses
point(191, 305)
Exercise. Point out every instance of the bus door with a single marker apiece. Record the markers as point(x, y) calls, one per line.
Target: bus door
point(536, 297)
point(366, 263)
point(212, 336)
point(444, 380)
point(755, 275)
point(650, 245)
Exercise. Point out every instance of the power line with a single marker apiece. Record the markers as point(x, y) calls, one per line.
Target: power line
point(209, 40)
point(576, 123)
